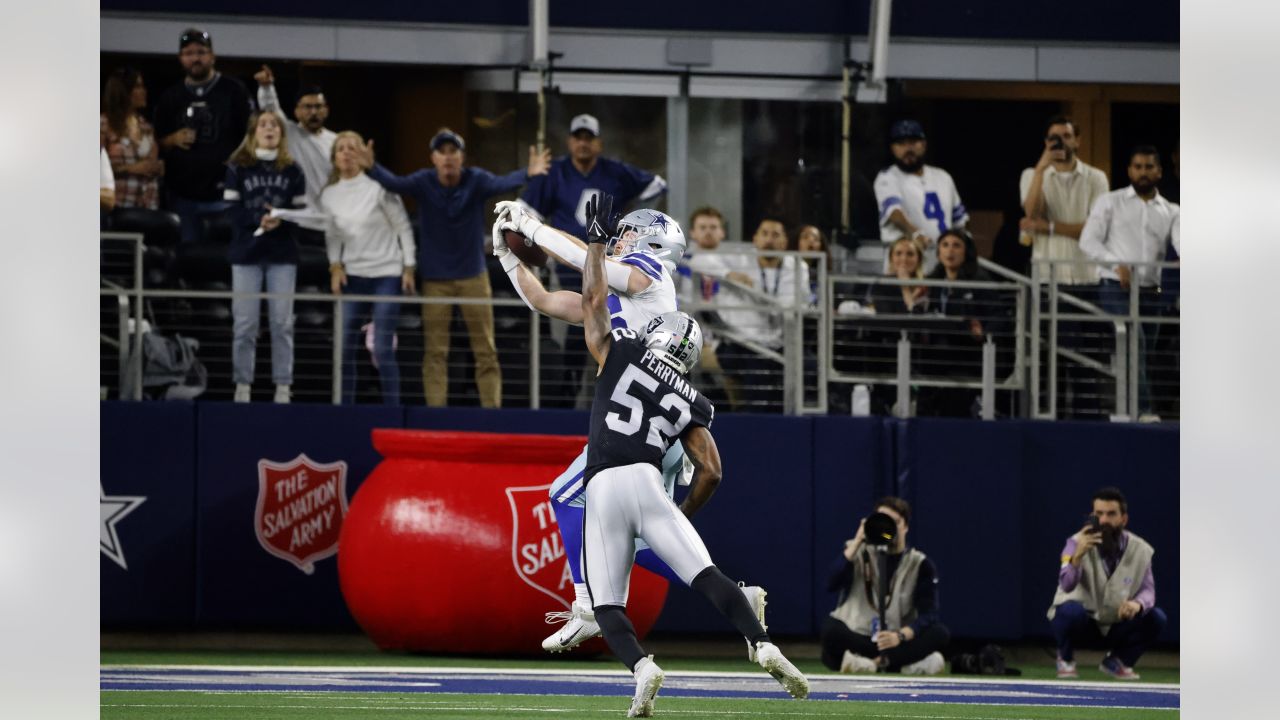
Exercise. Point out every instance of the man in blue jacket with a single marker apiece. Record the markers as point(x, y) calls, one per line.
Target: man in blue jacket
point(560, 197)
point(451, 257)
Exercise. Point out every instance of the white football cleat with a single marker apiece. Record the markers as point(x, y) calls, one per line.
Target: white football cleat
point(283, 394)
point(932, 664)
point(648, 679)
point(243, 393)
point(771, 659)
point(755, 597)
point(580, 627)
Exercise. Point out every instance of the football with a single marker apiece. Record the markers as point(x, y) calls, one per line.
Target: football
point(525, 249)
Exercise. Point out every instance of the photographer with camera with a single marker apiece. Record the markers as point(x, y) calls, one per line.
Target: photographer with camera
point(1106, 591)
point(886, 618)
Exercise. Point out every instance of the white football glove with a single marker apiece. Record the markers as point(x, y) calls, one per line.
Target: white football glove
point(523, 221)
point(507, 258)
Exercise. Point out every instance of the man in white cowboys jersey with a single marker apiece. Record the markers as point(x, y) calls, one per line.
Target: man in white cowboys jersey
point(916, 200)
point(641, 288)
point(643, 403)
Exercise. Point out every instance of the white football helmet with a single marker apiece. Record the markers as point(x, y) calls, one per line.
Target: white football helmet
point(676, 339)
point(652, 231)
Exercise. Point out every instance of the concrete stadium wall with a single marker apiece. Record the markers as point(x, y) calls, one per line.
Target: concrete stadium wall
point(993, 503)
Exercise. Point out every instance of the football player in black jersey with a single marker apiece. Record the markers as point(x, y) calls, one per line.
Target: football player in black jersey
point(643, 403)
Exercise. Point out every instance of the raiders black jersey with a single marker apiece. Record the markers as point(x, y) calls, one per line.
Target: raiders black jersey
point(641, 406)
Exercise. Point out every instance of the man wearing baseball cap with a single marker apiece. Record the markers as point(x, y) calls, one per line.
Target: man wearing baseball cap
point(916, 200)
point(451, 256)
point(560, 197)
point(200, 122)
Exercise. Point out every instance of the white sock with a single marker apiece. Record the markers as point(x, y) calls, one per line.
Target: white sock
point(581, 596)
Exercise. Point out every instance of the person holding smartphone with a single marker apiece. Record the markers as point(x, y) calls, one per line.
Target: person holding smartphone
point(1106, 591)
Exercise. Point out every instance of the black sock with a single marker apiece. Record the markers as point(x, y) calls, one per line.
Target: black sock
point(620, 634)
point(729, 600)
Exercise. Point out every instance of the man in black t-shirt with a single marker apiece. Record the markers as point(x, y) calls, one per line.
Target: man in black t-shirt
point(643, 403)
point(200, 122)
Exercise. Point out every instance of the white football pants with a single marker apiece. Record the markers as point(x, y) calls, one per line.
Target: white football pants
point(625, 503)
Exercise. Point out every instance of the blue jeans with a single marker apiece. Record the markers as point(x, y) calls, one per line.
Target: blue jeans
point(1115, 300)
point(191, 213)
point(1126, 640)
point(385, 316)
point(245, 312)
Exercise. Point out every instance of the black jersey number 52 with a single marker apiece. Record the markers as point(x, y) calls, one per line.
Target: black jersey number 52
point(658, 426)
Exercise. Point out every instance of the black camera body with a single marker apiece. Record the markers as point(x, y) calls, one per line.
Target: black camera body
point(1056, 142)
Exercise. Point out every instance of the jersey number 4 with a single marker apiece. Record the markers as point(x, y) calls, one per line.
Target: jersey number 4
point(933, 211)
point(661, 430)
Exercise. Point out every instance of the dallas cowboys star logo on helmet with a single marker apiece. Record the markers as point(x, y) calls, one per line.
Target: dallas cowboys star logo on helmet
point(658, 219)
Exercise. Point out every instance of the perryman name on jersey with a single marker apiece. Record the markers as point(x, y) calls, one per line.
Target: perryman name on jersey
point(642, 405)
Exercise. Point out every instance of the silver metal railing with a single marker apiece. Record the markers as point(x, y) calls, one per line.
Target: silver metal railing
point(794, 351)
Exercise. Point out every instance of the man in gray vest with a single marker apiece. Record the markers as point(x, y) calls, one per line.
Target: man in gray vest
point(911, 638)
point(1106, 591)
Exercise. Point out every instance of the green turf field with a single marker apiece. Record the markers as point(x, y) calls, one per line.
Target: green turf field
point(305, 703)
point(1041, 671)
point(386, 706)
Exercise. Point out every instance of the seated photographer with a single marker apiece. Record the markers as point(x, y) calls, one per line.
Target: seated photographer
point(912, 638)
point(1106, 591)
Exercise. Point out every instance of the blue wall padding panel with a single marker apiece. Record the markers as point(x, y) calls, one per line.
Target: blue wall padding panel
point(147, 450)
point(965, 496)
point(758, 526)
point(241, 585)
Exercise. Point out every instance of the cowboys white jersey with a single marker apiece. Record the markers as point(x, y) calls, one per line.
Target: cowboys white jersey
point(635, 311)
point(929, 200)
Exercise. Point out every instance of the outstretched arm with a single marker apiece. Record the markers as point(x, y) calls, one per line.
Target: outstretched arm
point(563, 304)
point(567, 249)
point(595, 314)
point(701, 450)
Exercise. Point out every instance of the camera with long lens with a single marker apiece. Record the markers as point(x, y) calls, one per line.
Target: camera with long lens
point(880, 529)
point(1057, 142)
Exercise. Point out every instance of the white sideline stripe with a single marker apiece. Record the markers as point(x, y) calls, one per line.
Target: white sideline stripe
point(561, 710)
point(558, 710)
point(420, 670)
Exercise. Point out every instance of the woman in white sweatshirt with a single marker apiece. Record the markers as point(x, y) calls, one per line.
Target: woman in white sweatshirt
point(370, 246)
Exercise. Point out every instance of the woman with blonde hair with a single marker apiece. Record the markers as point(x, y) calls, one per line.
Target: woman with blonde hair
point(371, 252)
point(261, 176)
point(906, 262)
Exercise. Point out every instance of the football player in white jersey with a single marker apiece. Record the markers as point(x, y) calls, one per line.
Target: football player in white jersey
point(639, 275)
point(916, 200)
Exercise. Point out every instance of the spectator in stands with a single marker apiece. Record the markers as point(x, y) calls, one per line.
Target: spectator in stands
point(1133, 225)
point(1057, 194)
point(560, 197)
point(776, 281)
point(199, 122)
point(906, 262)
point(451, 259)
point(879, 345)
point(957, 355)
point(916, 200)
point(310, 142)
point(370, 247)
point(261, 176)
point(811, 239)
point(130, 141)
point(106, 187)
point(699, 275)
point(1106, 591)
point(561, 194)
point(912, 638)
